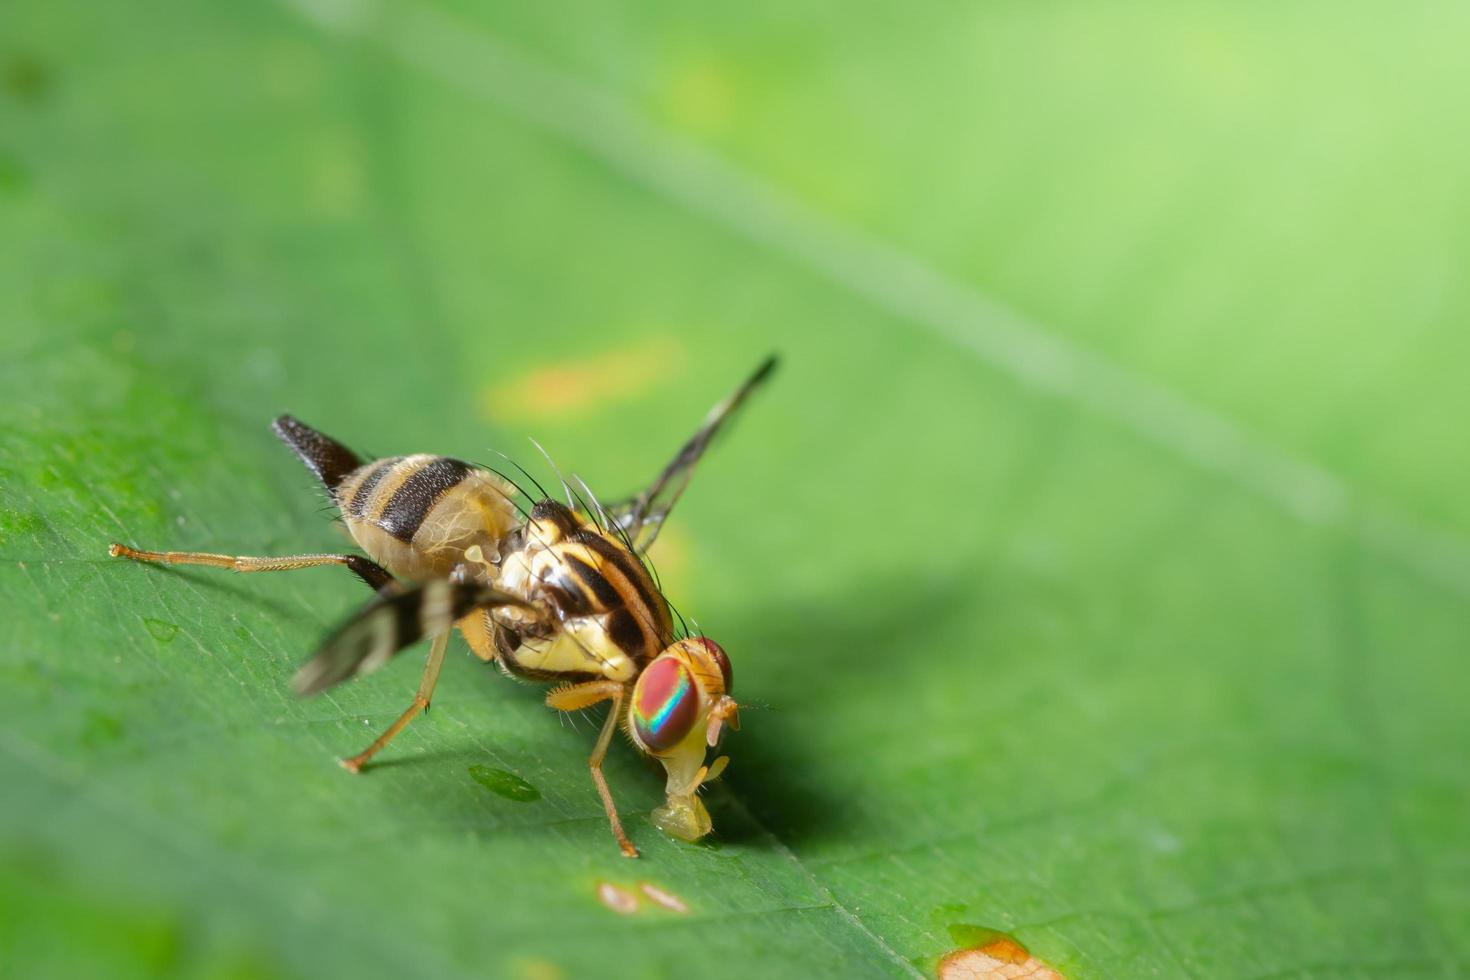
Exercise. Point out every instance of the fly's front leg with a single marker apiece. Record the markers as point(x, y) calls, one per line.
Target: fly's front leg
point(585, 695)
point(420, 703)
point(375, 575)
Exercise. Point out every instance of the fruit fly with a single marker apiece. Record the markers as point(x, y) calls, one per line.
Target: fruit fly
point(561, 593)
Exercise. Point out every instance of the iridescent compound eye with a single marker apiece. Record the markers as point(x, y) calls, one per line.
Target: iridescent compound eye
point(665, 704)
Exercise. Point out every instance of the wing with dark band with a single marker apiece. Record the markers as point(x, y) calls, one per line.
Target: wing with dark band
point(643, 516)
point(372, 636)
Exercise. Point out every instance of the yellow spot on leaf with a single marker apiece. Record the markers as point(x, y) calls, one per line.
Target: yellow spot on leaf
point(1001, 958)
point(537, 969)
point(578, 387)
point(700, 95)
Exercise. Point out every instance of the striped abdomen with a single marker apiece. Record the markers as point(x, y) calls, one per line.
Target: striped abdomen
point(417, 515)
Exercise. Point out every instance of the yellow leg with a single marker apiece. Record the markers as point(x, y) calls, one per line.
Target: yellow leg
point(581, 696)
point(420, 703)
point(370, 572)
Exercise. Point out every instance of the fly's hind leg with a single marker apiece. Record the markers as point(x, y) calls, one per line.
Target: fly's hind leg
point(420, 703)
point(582, 696)
point(375, 575)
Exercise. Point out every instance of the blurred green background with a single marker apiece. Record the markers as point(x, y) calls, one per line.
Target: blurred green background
point(1095, 569)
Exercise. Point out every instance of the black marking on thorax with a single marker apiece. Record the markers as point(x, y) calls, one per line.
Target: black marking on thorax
point(624, 629)
point(639, 624)
point(624, 561)
point(557, 515)
point(637, 614)
point(405, 511)
point(597, 592)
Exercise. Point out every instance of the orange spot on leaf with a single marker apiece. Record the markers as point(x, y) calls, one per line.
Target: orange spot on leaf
point(1001, 958)
point(576, 387)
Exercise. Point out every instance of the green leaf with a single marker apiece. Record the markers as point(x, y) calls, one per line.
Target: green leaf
point(1094, 569)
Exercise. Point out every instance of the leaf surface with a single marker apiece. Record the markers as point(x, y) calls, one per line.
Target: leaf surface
point(1093, 569)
